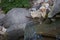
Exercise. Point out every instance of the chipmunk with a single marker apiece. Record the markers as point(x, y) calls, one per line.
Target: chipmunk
point(40, 13)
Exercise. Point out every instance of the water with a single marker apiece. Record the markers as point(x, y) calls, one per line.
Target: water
point(52, 29)
point(30, 32)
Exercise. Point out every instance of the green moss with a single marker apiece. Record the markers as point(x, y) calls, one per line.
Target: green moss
point(7, 5)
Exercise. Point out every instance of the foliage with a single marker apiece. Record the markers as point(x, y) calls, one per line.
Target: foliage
point(9, 4)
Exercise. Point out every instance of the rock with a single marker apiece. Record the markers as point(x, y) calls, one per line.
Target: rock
point(15, 31)
point(2, 15)
point(55, 9)
point(15, 21)
point(2, 30)
point(16, 16)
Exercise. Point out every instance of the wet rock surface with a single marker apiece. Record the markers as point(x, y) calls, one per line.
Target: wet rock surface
point(49, 31)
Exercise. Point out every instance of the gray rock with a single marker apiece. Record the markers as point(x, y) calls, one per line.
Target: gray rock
point(15, 21)
point(16, 16)
point(15, 31)
point(55, 9)
point(2, 15)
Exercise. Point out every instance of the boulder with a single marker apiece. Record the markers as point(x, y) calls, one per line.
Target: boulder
point(55, 9)
point(16, 16)
point(2, 15)
point(15, 31)
point(15, 22)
